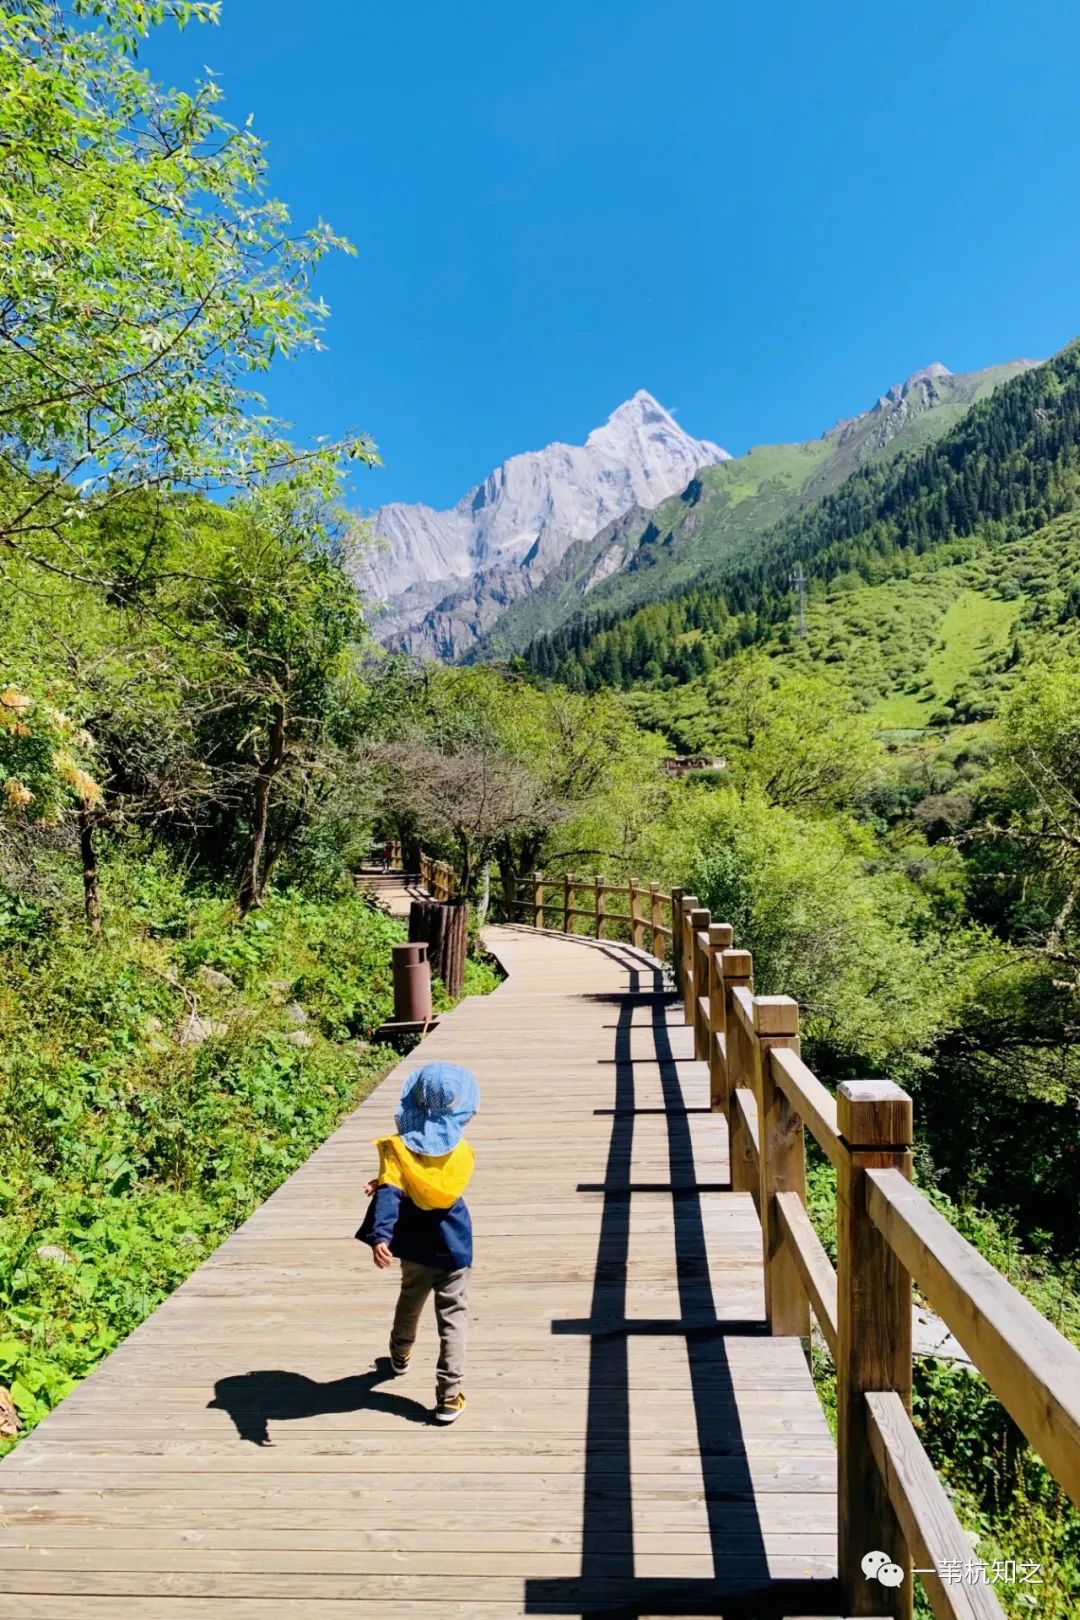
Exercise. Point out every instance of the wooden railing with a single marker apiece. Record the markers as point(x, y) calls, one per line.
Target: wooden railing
point(437, 877)
point(888, 1236)
point(546, 899)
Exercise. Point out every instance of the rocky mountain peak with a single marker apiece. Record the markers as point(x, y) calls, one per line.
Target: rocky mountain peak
point(642, 416)
point(934, 369)
point(922, 382)
point(509, 531)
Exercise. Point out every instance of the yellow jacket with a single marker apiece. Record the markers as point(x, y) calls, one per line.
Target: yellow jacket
point(427, 1181)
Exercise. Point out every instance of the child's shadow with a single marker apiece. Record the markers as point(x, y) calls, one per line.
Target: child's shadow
point(253, 1399)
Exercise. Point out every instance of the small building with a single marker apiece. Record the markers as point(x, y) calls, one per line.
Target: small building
point(683, 765)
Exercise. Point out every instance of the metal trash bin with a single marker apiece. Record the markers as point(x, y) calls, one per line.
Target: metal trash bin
point(412, 982)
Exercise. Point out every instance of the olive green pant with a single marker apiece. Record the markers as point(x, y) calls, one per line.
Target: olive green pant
point(451, 1290)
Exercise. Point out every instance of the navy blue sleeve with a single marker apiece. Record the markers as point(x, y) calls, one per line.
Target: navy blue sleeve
point(385, 1207)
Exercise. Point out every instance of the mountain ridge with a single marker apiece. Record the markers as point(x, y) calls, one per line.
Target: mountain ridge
point(445, 576)
point(987, 511)
point(646, 554)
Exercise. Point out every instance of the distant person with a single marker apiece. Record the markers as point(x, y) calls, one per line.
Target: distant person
point(418, 1216)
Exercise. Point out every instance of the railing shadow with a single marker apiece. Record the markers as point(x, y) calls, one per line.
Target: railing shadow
point(740, 1587)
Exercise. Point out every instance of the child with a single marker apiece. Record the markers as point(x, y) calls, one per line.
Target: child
point(419, 1217)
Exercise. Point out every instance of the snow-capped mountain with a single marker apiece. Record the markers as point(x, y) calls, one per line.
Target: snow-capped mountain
point(436, 581)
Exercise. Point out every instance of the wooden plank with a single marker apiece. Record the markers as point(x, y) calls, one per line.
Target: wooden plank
point(746, 1110)
point(631, 1436)
point(1033, 1369)
point(781, 1164)
point(815, 1106)
point(28, 1607)
point(316, 1588)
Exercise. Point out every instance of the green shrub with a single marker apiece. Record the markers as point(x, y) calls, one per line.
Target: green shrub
point(134, 1148)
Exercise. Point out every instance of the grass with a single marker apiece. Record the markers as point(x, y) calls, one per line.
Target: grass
point(788, 465)
point(974, 626)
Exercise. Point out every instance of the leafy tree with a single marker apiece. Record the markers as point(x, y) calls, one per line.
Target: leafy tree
point(547, 774)
point(853, 948)
point(278, 627)
point(799, 738)
point(145, 280)
point(225, 693)
point(1031, 807)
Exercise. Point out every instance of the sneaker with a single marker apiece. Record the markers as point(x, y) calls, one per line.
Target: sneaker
point(399, 1361)
point(449, 1411)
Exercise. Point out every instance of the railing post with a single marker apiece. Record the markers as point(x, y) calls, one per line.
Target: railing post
point(782, 1164)
point(655, 921)
point(568, 900)
point(538, 899)
point(720, 938)
point(637, 926)
point(700, 920)
point(676, 939)
point(874, 1347)
point(687, 904)
point(737, 973)
point(598, 911)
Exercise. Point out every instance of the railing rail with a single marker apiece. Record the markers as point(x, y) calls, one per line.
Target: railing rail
point(438, 877)
point(549, 898)
point(888, 1235)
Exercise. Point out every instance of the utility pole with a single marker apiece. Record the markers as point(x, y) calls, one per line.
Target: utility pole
point(798, 579)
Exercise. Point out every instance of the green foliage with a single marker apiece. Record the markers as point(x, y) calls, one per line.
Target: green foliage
point(857, 948)
point(42, 773)
point(222, 688)
point(146, 279)
point(152, 1107)
point(798, 738)
point(1002, 1493)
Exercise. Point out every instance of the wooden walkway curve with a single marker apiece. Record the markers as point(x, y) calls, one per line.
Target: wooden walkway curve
point(392, 890)
point(634, 1442)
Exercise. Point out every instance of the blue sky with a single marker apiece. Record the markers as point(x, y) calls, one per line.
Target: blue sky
point(763, 213)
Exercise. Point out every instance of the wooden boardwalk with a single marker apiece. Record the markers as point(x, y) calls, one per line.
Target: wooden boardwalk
point(394, 891)
point(634, 1442)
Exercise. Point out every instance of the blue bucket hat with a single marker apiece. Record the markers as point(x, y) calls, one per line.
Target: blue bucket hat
point(437, 1102)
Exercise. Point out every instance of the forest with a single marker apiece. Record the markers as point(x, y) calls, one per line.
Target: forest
point(199, 742)
point(1000, 476)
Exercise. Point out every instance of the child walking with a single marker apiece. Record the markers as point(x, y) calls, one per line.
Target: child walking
point(418, 1216)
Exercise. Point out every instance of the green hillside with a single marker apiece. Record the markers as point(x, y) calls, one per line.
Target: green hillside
point(968, 500)
point(935, 648)
point(727, 509)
